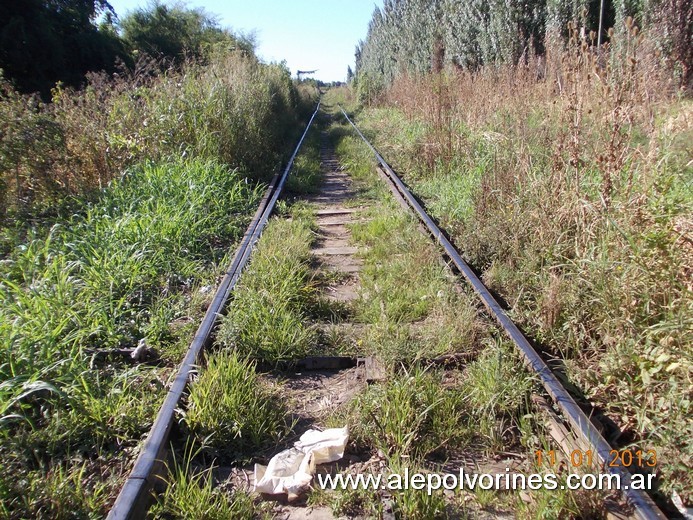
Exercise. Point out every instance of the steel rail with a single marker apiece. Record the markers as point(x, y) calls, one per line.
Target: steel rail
point(135, 495)
point(644, 506)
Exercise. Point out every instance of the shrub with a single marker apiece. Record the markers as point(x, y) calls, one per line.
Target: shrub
point(233, 109)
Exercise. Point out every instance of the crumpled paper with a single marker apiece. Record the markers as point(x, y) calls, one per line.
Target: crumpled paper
point(292, 470)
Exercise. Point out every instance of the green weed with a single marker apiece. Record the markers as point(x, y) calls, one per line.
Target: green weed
point(496, 390)
point(120, 271)
point(231, 410)
point(268, 317)
point(400, 280)
point(349, 502)
point(413, 415)
point(306, 175)
point(232, 109)
point(416, 503)
point(406, 296)
point(191, 493)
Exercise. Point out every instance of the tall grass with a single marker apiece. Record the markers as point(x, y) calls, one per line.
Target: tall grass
point(268, 319)
point(191, 493)
point(117, 203)
point(413, 415)
point(88, 282)
point(233, 109)
point(231, 410)
point(567, 182)
point(119, 272)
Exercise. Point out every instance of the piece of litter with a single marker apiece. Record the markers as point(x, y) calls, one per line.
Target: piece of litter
point(140, 351)
point(327, 445)
point(292, 470)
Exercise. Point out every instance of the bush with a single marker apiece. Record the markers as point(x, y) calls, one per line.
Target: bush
point(232, 109)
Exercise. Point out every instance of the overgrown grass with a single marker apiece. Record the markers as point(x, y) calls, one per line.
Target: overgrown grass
point(191, 493)
point(232, 109)
point(268, 317)
point(306, 175)
point(231, 410)
point(123, 271)
point(419, 413)
point(406, 297)
point(413, 503)
point(487, 401)
point(572, 196)
point(90, 282)
point(405, 288)
point(117, 203)
point(413, 415)
point(496, 392)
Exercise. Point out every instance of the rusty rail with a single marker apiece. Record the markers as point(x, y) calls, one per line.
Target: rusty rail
point(644, 506)
point(135, 495)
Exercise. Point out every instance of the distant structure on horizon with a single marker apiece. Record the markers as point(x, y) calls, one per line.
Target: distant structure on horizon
point(300, 73)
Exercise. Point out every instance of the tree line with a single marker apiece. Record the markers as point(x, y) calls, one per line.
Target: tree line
point(43, 42)
point(418, 36)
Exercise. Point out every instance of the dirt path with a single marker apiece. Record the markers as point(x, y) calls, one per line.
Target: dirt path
point(333, 247)
point(313, 395)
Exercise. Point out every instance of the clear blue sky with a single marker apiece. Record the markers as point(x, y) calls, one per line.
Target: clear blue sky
point(308, 34)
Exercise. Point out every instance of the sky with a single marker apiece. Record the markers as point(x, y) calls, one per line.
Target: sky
point(308, 34)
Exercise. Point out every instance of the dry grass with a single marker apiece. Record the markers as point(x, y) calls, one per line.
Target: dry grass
point(566, 180)
point(233, 109)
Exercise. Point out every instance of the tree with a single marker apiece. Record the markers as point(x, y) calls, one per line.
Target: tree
point(417, 36)
point(46, 41)
point(164, 31)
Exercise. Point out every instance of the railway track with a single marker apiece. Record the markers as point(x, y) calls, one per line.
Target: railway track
point(580, 423)
point(333, 219)
point(135, 496)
